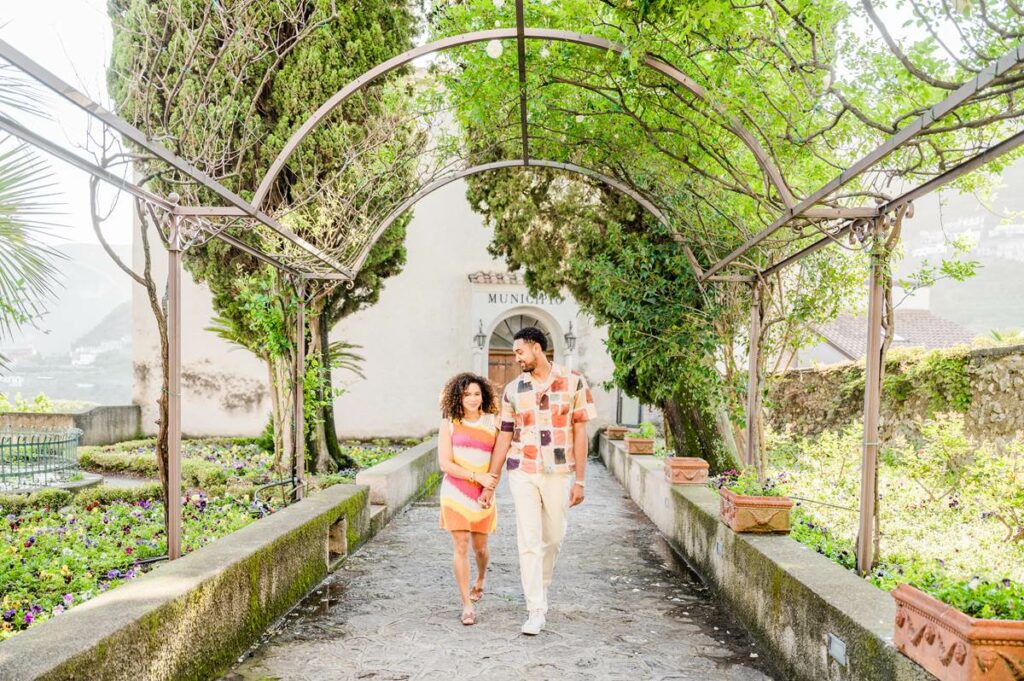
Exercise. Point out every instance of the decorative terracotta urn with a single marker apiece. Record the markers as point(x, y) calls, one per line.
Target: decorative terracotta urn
point(686, 470)
point(639, 445)
point(754, 514)
point(616, 432)
point(954, 646)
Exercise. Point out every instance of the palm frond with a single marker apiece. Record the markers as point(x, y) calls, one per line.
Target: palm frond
point(344, 359)
point(27, 271)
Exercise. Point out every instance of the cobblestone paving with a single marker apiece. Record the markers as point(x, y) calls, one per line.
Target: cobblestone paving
point(620, 608)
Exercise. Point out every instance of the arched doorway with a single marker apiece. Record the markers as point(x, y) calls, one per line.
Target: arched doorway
point(501, 362)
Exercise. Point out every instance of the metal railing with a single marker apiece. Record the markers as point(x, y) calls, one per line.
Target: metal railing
point(37, 457)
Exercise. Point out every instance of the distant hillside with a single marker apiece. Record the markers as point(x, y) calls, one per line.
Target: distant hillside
point(116, 325)
point(91, 287)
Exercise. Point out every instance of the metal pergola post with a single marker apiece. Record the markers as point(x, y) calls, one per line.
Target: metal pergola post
point(872, 403)
point(753, 450)
point(299, 422)
point(174, 389)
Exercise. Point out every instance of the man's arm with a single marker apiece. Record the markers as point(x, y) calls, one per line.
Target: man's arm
point(580, 449)
point(498, 454)
point(500, 451)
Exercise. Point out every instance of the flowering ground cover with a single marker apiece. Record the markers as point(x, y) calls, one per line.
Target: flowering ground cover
point(54, 558)
point(57, 551)
point(208, 462)
point(951, 511)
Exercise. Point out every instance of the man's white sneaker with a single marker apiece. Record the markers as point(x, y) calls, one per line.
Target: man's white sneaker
point(534, 623)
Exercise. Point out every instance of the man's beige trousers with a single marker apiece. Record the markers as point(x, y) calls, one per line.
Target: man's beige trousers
point(542, 504)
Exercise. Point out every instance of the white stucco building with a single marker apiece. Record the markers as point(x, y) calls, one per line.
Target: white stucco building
point(453, 308)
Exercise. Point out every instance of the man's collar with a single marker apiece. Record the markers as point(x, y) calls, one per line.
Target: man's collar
point(556, 370)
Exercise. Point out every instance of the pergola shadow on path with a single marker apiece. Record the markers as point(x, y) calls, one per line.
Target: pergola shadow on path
point(188, 225)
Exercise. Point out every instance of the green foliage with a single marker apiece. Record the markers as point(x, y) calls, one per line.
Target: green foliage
point(647, 430)
point(747, 483)
point(56, 557)
point(983, 598)
point(40, 404)
point(225, 85)
point(28, 272)
point(951, 511)
point(940, 375)
point(205, 463)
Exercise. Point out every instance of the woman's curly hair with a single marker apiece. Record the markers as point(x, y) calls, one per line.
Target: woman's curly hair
point(451, 396)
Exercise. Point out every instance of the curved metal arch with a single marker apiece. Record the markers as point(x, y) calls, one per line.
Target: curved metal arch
point(496, 165)
point(652, 62)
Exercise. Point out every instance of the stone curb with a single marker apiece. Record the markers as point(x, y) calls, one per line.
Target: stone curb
point(819, 620)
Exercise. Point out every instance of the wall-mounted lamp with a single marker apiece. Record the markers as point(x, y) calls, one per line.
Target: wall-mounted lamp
point(570, 339)
point(480, 338)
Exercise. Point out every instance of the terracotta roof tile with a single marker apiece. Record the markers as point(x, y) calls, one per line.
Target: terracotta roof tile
point(914, 328)
point(505, 278)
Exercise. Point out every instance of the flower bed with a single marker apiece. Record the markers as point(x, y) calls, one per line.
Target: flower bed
point(208, 462)
point(59, 550)
point(54, 558)
point(950, 512)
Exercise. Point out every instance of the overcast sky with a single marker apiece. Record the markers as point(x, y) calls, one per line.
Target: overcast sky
point(72, 39)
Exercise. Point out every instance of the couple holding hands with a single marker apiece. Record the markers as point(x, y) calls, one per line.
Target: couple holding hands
point(536, 431)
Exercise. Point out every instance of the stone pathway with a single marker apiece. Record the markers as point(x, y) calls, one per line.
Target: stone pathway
point(620, 608)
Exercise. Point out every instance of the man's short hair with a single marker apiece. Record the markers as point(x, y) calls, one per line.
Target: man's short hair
point(532, 334)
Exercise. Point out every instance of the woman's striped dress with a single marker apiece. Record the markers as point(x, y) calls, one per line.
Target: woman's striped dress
point(472, 442)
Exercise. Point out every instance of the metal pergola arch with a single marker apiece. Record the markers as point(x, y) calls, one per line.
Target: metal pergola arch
point(809, 207)
point(425, 191)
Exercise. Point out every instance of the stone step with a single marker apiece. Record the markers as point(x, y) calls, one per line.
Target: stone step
point(378, 518)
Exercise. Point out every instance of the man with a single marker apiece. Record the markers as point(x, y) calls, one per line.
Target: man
point(543, 444)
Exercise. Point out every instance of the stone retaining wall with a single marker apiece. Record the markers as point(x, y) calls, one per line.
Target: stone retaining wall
point(400, 479)
point(192, 618)
point(810, 401)
point(99, 425)
point(788, 596)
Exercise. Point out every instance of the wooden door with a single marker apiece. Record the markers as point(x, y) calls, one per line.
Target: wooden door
point(501, 368)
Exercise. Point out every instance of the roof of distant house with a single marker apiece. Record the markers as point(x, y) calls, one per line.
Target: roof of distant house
point(507, 278)
point(914, 329)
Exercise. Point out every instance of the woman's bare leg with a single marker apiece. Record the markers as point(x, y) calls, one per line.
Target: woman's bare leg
point(460, 563)
point(483, 556)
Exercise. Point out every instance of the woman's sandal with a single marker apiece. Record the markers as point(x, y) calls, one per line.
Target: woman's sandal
point(476, 593)
point(468, 618)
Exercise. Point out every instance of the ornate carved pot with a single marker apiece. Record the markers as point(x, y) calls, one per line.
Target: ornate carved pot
point(754, 514)
point(616, 432)
point(954, 646)
point(639, 445)
point(686, 470)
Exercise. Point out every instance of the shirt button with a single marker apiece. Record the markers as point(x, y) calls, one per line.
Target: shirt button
point(549, 468)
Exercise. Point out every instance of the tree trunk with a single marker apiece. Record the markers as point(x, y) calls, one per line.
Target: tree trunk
point(695, 432)
point(317, 439)
point(328, 425)
point(282, 411)
point(275, 411)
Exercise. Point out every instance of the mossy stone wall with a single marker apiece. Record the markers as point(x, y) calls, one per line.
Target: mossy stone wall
point(788, 596)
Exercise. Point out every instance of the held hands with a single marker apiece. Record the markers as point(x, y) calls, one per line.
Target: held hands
point(575, 495)
point(487, 480)
point(486, 498)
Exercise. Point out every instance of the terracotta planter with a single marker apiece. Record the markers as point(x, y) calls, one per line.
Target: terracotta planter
point(639, 445)
point(954, 646)
point(686, 470)
point(754, 514)
point(616, 432)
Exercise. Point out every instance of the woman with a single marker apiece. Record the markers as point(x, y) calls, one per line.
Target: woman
point(466, 438)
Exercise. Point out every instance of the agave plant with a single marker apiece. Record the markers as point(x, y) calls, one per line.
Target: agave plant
point(27, 197)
